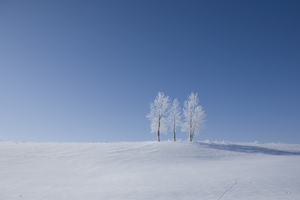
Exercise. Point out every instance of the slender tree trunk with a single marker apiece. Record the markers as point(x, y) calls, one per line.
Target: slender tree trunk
point(174, 130)
point(158, 135)
point(158, 139)
point(174, 136)
point(191, 137)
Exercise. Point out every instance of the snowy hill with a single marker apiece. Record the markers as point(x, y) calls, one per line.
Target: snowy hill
point(149, 170)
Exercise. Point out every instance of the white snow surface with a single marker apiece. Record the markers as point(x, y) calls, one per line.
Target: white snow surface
point(149, 170)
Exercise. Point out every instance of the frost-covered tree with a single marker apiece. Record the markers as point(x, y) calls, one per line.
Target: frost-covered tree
point(193, 116)
point(158, 113)
point(174, 116)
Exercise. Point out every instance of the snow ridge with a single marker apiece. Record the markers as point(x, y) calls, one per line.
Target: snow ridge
point(149, 170)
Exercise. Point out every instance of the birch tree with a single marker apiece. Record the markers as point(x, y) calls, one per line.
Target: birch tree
point(174, 117)
point(158, 113)
point(193, 116)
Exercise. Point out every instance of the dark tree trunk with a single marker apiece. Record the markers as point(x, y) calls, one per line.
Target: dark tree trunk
point(191, 137)
point(158, 135)
point(174, 130)
point(174, 136)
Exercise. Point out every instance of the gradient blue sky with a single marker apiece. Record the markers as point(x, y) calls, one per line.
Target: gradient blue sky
point(86, 71)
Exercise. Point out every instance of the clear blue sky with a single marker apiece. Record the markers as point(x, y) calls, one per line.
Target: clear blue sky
point(86, 71)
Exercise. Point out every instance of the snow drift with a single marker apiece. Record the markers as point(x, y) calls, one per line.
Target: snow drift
point(149, 170)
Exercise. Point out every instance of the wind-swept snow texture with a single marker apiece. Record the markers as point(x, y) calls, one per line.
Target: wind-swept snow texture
point(149, 170)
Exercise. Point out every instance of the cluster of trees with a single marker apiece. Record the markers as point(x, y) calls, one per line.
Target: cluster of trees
point(164, 115)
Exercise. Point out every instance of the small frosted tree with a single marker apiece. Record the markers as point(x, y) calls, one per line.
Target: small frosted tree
point(193, 116)
point(174, 117)
point(158, 113)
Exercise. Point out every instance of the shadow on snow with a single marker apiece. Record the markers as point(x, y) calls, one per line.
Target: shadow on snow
point(249, 149)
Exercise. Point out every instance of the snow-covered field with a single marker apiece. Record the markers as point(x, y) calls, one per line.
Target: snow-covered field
point(149, 170)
